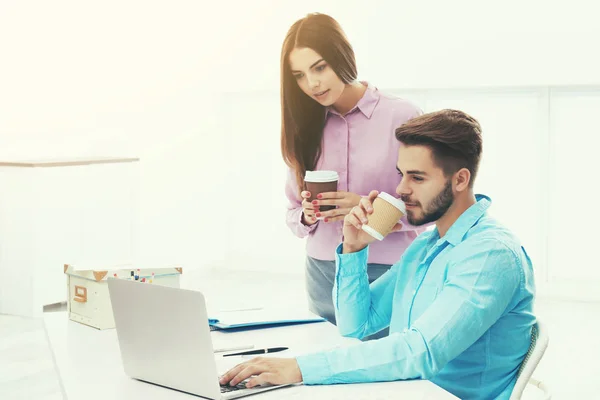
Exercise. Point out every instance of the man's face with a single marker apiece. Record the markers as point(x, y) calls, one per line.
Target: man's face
point(424, 189)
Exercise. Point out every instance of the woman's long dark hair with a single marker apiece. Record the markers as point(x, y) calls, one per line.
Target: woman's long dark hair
point(302, 118)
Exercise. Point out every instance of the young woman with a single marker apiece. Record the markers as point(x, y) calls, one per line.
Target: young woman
point(331, 121)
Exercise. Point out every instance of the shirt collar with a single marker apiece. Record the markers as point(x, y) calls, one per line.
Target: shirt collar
point(470, 217)
point(366, 104)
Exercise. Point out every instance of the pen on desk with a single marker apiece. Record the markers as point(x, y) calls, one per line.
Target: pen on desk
point(226, 349)
point(259, 351)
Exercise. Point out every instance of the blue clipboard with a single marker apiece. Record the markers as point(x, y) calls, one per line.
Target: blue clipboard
point(217, 324)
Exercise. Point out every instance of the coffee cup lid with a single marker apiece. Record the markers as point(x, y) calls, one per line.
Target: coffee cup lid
point(399, 204)
point(321, 176)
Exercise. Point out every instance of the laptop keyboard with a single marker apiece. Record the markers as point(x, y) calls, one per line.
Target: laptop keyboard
point(226, 388)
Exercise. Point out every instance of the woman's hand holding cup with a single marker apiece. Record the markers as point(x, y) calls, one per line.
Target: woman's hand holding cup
point(334, 206)
point(308, 209)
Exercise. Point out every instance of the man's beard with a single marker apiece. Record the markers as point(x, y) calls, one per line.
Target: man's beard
point(435, 209)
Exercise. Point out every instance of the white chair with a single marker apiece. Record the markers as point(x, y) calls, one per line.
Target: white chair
point(539, 342)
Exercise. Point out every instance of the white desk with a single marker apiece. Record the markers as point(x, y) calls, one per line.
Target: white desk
point(89, 364)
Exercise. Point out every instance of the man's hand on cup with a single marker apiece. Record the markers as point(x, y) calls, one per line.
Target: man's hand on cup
point(355, 238)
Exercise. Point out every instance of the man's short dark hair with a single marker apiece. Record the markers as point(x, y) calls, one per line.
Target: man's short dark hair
point(453, 137)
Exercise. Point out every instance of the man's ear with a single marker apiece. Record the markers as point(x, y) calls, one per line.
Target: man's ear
point(462, 179)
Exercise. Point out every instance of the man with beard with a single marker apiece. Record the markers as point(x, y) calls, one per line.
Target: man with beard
point(459, 302)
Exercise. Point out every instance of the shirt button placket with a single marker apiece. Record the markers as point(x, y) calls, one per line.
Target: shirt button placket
point(344, 151)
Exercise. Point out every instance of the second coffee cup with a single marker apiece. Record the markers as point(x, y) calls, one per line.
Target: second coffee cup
point(321, 182)
point(387, 211)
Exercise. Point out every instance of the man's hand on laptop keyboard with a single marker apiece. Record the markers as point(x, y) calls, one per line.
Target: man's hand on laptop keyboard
point(276, 371)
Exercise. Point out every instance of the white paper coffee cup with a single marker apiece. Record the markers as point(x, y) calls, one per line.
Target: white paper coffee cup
point(387, 211)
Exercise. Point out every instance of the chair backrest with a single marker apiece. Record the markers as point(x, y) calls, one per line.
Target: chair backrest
point(537, 347)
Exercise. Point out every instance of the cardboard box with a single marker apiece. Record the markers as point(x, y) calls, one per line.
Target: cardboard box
point(88, 300)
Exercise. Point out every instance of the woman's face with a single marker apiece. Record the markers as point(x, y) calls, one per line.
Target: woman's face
point(315, 77)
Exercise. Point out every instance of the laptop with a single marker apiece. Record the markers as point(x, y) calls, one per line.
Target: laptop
point(165, 339)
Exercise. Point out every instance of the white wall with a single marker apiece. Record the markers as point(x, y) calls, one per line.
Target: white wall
point(539, 146)
point(191, 88)
point(431, 43)
point(573, 265)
